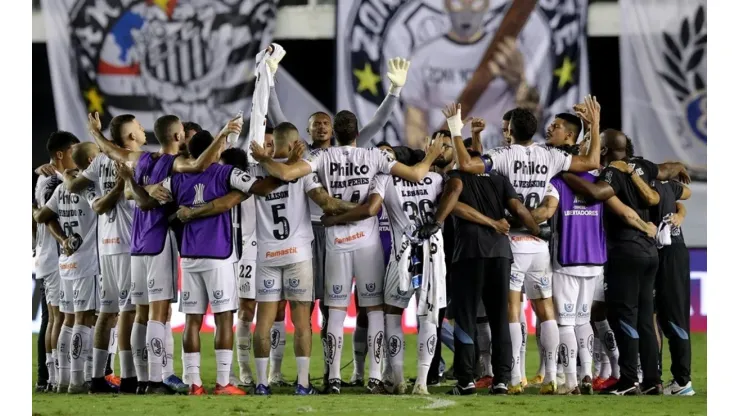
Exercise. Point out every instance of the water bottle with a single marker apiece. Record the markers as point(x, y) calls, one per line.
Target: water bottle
point(232, 137)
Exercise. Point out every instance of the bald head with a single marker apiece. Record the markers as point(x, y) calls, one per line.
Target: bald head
point(614, 146)
point(84, 153)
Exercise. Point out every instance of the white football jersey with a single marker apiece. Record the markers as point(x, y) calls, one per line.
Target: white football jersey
point(244, 219)
point(77, 217)
point(346, 172)
point(284, 233)
point(408, 204)
point(47, 249)
point(529, 169)
point(114, 227)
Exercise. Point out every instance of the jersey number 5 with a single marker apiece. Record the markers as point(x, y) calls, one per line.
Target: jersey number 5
point(283, 231)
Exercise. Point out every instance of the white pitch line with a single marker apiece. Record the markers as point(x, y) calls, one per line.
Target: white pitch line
point(438, 403)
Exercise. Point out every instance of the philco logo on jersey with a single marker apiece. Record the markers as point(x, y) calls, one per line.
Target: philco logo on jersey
point(529, 168)
point(348, 169)
point(425, 181)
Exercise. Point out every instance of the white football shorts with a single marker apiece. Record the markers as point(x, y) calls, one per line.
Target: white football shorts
point(366, 265)
point(154, 278)
point(292, 282)
point(115, 283)
point(533, 272)
point(79, 295)
point(573, 296)
point(215, 287)
point(52, 286)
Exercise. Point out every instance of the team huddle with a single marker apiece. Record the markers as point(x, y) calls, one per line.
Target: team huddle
point(589, 232)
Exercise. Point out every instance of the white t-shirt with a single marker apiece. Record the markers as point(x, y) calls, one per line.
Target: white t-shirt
point(244, 219)
point(76, 217)
point(346, 172)
point(284, 233)
point(408, 204)
point(240, 181)
point(529, 170)
point(581, 271)
point(47, 249)
point(114, 227)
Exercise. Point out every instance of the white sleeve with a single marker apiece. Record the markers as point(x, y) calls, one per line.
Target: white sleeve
point(498, 157)
point(91, 173)
point(561, 161)
point(53, 202)
point(552, 191)
point(311, 182)
point(241, 180)
point(379, 185)
point(314, 160)
point(384, 160)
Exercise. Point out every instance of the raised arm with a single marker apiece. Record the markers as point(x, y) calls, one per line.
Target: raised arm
point(464, 162)
point(143, 200)
point(417, 172)
point(329, 204)
point(517, 208)
point(468, 213)
point(600, 191)
point(630, 217)
point(108, 201)
point(477, 125)
point(211, 154)
point(591, 114)
point(215, 207)
point(282, 171)
point(110, 149)
point(397, 70)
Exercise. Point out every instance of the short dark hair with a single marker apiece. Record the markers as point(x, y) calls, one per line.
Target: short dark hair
point(191, 125)
point(443, 132)
point(317, 113)
point(571, 149)
point(269, 130)
point(199, 143)
point(383, 144)
point(468, 142)
point(507, 115)
point(523, 124)
point(282, 130)
point(474, 153)
point(60, 141)
point(235, 157)
point(116, 127)
point(162, 126)
point(572, 121)
point(345, 127)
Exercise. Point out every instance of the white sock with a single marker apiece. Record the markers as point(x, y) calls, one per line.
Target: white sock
point(606, 366)
point(113, 343)
point(223, 366)
point(426, 344)
point(88, 355)
point(126, 360)
point(396, 346)
point(303, 363)
point(64, 344)
point(639, 369)
point(359, 342)
point(244, 348)
point(335, 339)
point(375, 334)
point(155, 348)
point(597, 356)
point(261, 364)
point(585, 337)
point(550, 340)
point(523, 349)
point(277, 347)
point(484, 345)
point(538, 329)
point(567, 352)
point(168, 366)
point(138, 348)
point(50, 367)
point(55, 363)
point(184, 367)
point(192, 367)
point(606, 335)
point(80, 334)
point(100, 357)
point(515, 331)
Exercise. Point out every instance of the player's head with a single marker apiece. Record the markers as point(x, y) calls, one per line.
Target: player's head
point(447, 150)
point(199, 143)
point(84, 153)
point(59, 145)
point(614, 146)
point(564, 130)
point(169, 129)
point(285, 136)
point(127, 132)
point(522, 126)
point(234, 157)
point(191, 128)
point(345, 127)
point(269, 143)
point(319, 127)
point(466, 16)
point(468, 143)
point(505, 127)
point(386, 147)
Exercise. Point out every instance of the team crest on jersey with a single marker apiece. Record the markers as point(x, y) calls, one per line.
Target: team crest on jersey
point(293, 283)
point(370, 287)
point(684, 53)
point(151, 58)
point(269, 283)
point(218, 294)
point(337, 289)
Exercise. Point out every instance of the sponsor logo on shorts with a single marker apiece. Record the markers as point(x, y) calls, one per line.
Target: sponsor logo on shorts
point(337, 289)
point(370, 287)
point(394, 345)
point(569, 307)
point(293, 283)
point(75, 294)
point(151, 283)
point(337, 293)
point(269, 283)
point(123, 294)
point(269, 287)
point(61, 294)
point(378, 347)
point(218, 294)
point(583, 311)
point(157, 347)
point(186, 300)
point(185, 295)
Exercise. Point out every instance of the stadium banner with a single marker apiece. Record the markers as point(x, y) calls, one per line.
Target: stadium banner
point(698, 305)
point(150, 58)
point(446, 43)
point(662, 51)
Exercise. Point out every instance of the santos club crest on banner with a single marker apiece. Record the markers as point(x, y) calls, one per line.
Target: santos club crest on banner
point(445, 41)
point(191, 58)
point(663, 47)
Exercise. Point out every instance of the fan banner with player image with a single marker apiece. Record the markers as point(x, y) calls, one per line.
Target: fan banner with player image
point(149, 58)
point(489, 55)
point(663, 59)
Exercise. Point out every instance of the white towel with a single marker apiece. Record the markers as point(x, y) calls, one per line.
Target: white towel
point(432, 294)
point(663, 237)
point(258, 115)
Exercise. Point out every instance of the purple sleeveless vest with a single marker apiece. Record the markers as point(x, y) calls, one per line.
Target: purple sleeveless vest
point(384, 225)
point(149, 229)
point(581, 239)
point(208, 237)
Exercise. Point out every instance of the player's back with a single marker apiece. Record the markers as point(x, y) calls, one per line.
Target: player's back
point(47, 249)
point(79, 221)
point(149, 229)
point(284, 233)
point(346, 172)
point(409, 204)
